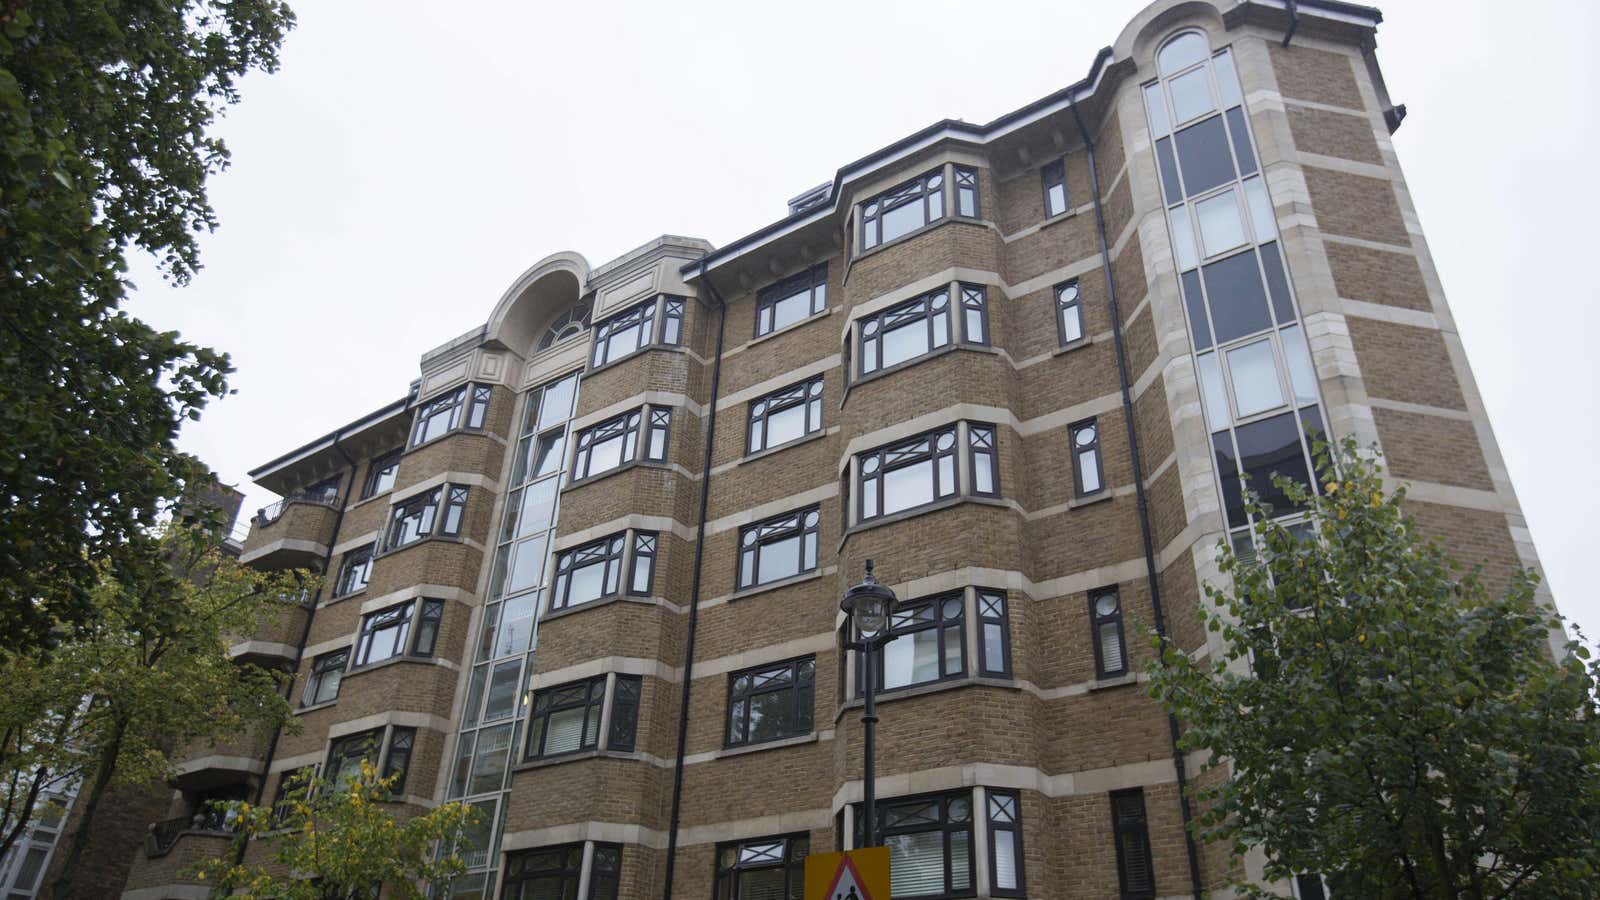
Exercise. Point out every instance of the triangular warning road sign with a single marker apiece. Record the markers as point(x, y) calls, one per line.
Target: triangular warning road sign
point(848, 883)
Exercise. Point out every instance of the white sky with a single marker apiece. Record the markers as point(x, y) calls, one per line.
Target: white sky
point(406, 164)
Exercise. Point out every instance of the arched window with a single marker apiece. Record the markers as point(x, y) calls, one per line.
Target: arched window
point(1258, 385)
point(571, 323)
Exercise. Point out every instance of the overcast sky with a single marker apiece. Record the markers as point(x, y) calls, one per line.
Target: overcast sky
point(408, 162)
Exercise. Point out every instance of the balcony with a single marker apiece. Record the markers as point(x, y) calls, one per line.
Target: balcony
point(171, 847)
point(295, 532)
point(275, 642)
point(205, 766)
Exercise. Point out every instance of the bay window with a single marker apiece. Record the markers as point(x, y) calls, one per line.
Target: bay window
point(557, 872)
point(930, 841)
point(762, 869)
point(785, 415)
point(451, 411)
point(587, 573)
point(354, 571)
point(922, 470)
point(792, 299)
point(566, 719)
point(409, 628)
point(616, 441)
point(771, 702)
point(416, 517)
point(902, 209)
point(637, 328)
point(778, 548)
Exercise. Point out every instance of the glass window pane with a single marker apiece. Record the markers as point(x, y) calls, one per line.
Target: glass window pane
point(994, 650)
point(1255, 378)
point(1211, 389)
point(1241, 141)
point(489, 766)
point(1195, 302)
point(527, 564)
point(1269, 447)
point(1090, 468)
point(1171, 188)
point(786, 425)
point(1185, 49)
point(556, 405)
point(1238, 300)
point(907, 487)
point(916, 863)
point(1183, 239)
point(780, 559)
point(1228, 472)
point(537, 507)
point(502, 691)
point(1262, 220)
point(587, 583)
point(1227, 79)
point(1005, 860)
point(1220, 228)
point(1277, 285)
point(607, 454)
point(1302, 375)
point(906, 342)
point(548, 457)
point(1156, 108)
point(1110, 647)
point(564, 732)
point(1204, 157)
point(911, 658)
point(1191, 95)
point(960, 860)
point(791, 309)
point(516, 625)
point(903, 219)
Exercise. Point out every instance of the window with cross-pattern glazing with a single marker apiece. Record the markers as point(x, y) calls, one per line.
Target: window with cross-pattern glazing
point(1257, 381)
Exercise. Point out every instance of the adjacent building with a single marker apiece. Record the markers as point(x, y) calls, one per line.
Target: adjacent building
point(584, 572)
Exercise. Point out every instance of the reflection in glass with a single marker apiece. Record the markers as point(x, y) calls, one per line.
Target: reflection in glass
point(1255, 378)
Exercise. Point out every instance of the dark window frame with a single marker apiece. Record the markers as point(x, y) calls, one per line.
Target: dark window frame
point(463, 414)
point(900, 455)
point(413, 618)
point(386, 462)
point(340, 749)
point(800, 676)
point(940, 622)
point(641, 316)
point(607, 551)
point(966, 186)
point(646, 545)
point(1131, 824)
point(333, 663)
point(928, 308)
point(1097, 623)
point(435, 510)
point(806, 393)
point(1080, 451)
point(591, 703)
point(945, 826)
point(625, 425)
point(992, 809)
point(983, 439)
point(357, 560)
point(1069, 298)
point(928, 185)
point(565, 868)
point(974, 297)
point(801, 523)
point(792, 852)
point(658, 421)
point(1053, 175)
point(985, 617)
point(813, 280)
point(402, 743)
point(622, 733)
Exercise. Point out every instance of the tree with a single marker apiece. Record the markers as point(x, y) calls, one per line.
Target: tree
point(149, 675)
point(104, 114)
point(1381, 718)
point(341, 842)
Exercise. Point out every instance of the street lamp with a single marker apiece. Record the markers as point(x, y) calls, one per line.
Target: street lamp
point(869, 605)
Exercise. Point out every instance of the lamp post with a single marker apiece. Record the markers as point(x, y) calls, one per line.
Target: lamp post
point(869, 605)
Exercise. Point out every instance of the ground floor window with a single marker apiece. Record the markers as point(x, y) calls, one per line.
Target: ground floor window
point(762, 869)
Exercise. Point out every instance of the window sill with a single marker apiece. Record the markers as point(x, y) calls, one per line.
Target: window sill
point(565, 611)
point(432, 538)
point(826, 312)
point(1114, 681)
point(579, 756)
point(1099, 496)
point(1078, 344)
point(802, 578)
point(778, 448)
point(904, 514)
point(1071, 212)
point(313, 708)
point(932, 687)
point(936, 353)
point(384, 664)
point(780, 743)
point(636, 353)
point(625, 467)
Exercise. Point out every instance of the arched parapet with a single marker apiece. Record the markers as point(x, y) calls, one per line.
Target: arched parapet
point(539, 296)
point(1153, 24)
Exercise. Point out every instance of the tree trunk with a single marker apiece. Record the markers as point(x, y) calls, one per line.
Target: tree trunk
point(40, 777)
point(105, 767)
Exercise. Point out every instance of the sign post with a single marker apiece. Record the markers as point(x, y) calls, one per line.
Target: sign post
point(852, 875)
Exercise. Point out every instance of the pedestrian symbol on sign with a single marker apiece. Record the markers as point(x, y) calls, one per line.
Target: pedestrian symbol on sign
point(852, 875)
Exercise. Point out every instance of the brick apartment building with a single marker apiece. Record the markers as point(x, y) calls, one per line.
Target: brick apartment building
point(585, 573)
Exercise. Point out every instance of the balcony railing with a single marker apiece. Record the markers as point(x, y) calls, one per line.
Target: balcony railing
point(163, 836)
point(322, 496)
